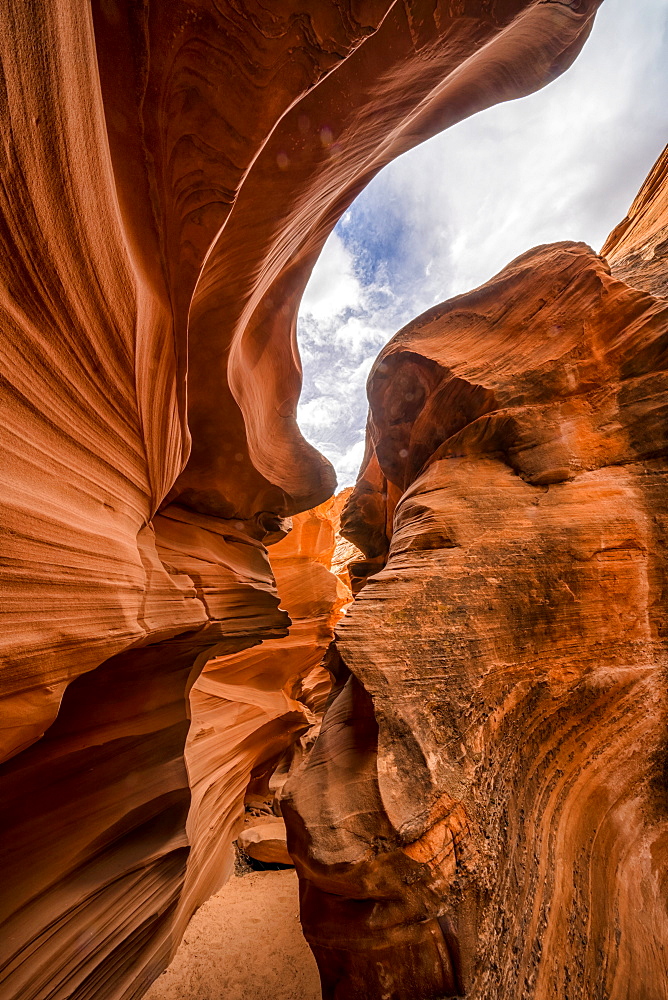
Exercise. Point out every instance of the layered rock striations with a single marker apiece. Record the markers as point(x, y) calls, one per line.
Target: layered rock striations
point(636, 249)
point(485, 813)
point(170, 172)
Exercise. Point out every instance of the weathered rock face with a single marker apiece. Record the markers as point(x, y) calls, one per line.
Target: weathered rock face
point(637, 248)
point(486, 810)
point(170, 171)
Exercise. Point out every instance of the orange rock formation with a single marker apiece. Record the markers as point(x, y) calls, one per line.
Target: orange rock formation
point(485, 811)
point(636, 249)
point(170, 172)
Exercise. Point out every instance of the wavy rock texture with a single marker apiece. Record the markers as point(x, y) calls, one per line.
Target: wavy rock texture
point(485, 811)
point(170, 171)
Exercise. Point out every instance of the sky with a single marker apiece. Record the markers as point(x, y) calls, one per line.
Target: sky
point(562, 164)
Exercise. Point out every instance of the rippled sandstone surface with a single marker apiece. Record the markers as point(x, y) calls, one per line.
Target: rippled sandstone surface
point(485, 813)
point(170, 171)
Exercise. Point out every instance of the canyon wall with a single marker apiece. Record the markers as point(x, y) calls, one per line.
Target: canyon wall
point(637, 248)
point(170, 171)
point(485, 813)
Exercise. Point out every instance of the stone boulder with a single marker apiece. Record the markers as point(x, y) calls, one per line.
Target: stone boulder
point(266, 841)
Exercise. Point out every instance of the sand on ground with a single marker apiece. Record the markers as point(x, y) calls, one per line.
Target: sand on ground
point(245, 943)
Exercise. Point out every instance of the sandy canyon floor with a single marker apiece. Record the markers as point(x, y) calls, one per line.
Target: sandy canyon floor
point(245, 943)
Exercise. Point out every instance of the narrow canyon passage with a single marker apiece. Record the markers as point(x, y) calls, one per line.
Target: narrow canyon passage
point(440, 693)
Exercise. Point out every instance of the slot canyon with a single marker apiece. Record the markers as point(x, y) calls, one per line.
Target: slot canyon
point(449, 680)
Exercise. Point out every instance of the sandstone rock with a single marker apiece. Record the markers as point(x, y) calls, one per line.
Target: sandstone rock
point(484, 813)
point(148, 295)
point(636, 249)
point(265, 841)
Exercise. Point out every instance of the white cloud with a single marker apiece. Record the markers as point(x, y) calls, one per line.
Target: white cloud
point(564, 163)
point(333, 288)
point(348, 463)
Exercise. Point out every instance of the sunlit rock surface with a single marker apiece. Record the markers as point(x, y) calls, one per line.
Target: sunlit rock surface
point(638, 247)
point(485, 812)
point(170, 172)
point(265, 840)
